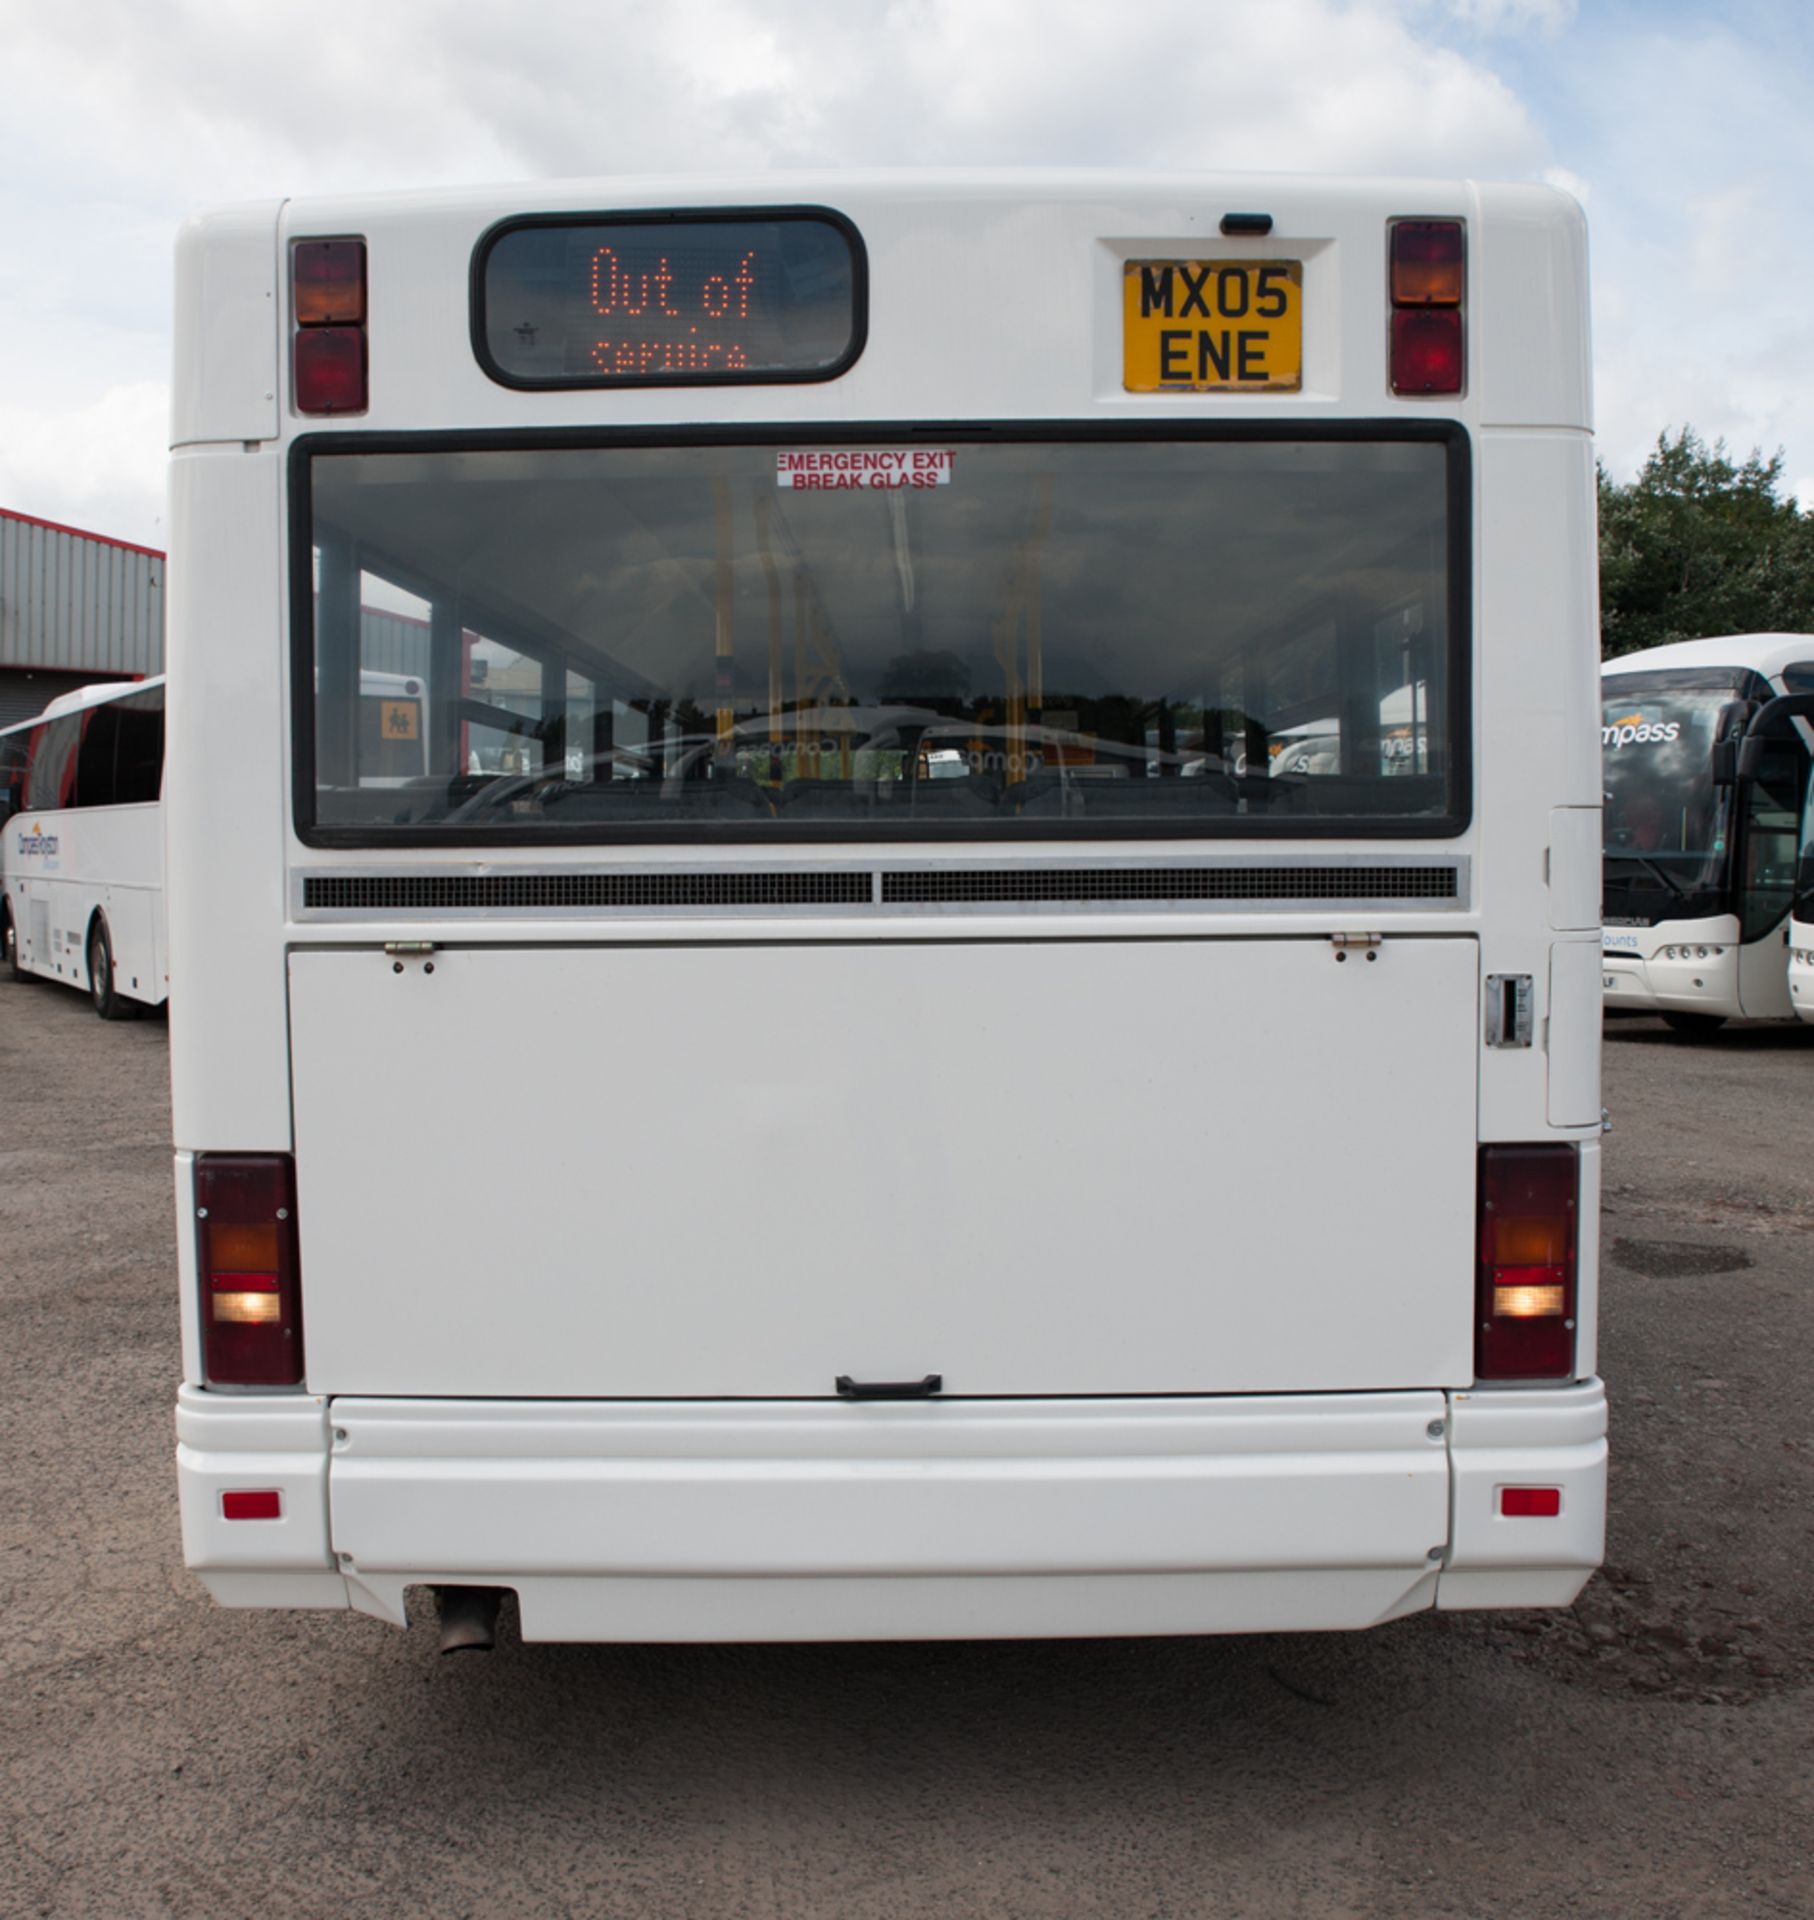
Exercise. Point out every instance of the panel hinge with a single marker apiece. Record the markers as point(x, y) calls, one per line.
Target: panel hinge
point(1364, 943)
point(408, 949)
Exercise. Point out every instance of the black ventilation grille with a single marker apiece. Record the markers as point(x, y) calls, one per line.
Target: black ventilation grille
point(400, 892)
point(961, 887)
point(931, 887)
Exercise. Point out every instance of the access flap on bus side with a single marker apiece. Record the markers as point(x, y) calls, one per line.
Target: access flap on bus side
point(226, 374)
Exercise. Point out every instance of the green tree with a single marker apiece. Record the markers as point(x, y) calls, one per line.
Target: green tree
point(1700, 545)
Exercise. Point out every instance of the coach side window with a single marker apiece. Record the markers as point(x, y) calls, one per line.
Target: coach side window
point(50, 779)
point(139, 752)
point(94, 757)
point(12, 774)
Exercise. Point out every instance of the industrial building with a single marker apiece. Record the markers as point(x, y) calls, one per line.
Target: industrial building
point(75, 608)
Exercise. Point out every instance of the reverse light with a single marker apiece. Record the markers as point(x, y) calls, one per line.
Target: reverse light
point(1515, 1299)
point(246, 1255)
point(1428, 279)
point(328, 354)
point(1526, 1275)
point(257, 1305)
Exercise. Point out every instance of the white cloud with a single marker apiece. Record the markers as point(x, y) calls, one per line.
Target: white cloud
point(98, 465)
point(1514, 16)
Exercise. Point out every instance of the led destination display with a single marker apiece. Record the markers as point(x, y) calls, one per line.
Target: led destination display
point(670, 300)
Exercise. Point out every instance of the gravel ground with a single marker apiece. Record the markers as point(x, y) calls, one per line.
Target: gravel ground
point(1650, 1753)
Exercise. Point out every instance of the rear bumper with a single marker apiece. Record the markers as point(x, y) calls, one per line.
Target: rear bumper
point(945, 1519)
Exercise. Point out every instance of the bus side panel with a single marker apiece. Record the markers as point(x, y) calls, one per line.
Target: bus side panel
point(1529, 311)
point(230, 1085)
point(1537, 734)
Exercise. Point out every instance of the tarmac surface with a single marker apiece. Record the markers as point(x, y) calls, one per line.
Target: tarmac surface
point(1649, 1753)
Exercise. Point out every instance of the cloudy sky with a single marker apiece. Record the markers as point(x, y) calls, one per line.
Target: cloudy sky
point(1684, 128)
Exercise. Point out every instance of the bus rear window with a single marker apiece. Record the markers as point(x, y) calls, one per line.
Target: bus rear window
point(892, 639)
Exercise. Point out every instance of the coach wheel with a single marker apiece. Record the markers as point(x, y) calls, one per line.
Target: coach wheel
point(108, 1003)
point(1694, 1023)
point(9, 940)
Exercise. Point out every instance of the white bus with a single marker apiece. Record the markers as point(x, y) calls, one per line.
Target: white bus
point(1700, 864)
point(82, 852)
point(852, 1097)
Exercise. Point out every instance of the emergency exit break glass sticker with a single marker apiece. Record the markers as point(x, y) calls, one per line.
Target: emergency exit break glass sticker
point(865, 469)
point(670, 300)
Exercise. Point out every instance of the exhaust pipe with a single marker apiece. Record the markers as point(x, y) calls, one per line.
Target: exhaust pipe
point(469, 1618)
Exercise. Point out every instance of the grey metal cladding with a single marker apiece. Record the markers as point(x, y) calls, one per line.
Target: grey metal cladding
point(78, 603)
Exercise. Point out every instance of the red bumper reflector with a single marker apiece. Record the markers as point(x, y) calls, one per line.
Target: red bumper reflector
point(1426, 350)
point(263, 1503)
point(1530, 1503)
point(330, 370)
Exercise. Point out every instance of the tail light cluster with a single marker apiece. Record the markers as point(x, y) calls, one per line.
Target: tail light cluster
point(327, 302)
point(1526, 1321)
point(1429, 279)
point(245, 1217)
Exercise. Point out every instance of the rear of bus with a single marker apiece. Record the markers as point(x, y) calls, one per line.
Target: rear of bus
point(981, 1014)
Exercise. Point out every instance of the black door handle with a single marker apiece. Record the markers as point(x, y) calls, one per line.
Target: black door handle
point(891, 1389)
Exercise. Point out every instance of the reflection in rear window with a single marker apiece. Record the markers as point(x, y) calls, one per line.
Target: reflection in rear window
point(886, 640)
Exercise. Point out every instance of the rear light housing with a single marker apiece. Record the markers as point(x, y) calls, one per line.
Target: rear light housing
point(246, 1257)
point(1428, 276)
point(1525, 1290)
point(328, 351)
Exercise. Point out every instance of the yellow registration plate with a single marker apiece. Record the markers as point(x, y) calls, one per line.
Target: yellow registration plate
point(1192, 326)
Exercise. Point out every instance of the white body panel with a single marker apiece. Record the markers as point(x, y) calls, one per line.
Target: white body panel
point(226, 387)
point(591, 1216)
point(1022, 1173)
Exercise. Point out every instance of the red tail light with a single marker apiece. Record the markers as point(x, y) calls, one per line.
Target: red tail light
point(328, 303)
point(1428, 284)
point(330, 370)
point(1527, 1264)
point(1426, 350)
point(245, 1216)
